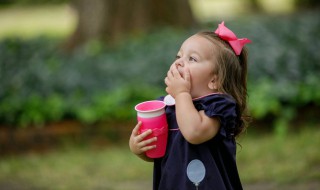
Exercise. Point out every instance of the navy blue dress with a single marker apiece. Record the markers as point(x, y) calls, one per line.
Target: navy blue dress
point(218, 154)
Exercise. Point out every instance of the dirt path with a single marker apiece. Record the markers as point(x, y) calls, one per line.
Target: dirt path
point(138, 185)
point(313, 185)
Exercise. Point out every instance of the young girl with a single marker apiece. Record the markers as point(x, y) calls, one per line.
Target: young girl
point(208, 82)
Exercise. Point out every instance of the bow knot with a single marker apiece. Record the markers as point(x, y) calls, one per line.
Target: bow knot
point(226, 34)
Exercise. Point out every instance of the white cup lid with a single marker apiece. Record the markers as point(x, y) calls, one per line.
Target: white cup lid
point(169, 100)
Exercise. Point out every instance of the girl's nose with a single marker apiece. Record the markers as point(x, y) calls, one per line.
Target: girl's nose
point(179, 62)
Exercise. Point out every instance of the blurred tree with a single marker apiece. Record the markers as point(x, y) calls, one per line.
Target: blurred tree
point(109, 20)
point(307, 4)
point(5, 2)
point(255, 6)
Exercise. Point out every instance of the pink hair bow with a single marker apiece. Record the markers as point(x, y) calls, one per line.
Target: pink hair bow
point(227, 35)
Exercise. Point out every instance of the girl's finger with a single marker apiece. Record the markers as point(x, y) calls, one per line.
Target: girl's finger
point(135, 130)
point(149, 141)
point(186, 74)
point(145, 134)
point(168, 90)
point(169, 74)
point(166, 80)
point(175, 73)
point(143, 146)
point(146, 148)
point(173, 65)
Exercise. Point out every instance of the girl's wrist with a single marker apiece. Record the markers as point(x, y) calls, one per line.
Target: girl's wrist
point(182, 94)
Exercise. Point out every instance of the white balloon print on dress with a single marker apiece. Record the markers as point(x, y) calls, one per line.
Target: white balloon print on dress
point(196, 172)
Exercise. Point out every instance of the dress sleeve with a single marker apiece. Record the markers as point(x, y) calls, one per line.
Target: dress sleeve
point(161, 98)
point(223, 107)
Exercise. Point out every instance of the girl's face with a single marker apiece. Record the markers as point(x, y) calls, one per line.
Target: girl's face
point(197, 54)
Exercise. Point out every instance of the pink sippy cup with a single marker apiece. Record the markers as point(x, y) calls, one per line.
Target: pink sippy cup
point(152, 115)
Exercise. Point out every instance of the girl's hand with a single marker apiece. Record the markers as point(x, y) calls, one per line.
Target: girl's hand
point(137, 143)
point(176, 83)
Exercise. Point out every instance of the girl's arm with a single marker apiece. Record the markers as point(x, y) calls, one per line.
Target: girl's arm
point(138, 145)
point(195, 126)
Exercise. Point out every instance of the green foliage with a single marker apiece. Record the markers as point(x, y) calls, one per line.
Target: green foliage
point(38, 83)
point(284, 66)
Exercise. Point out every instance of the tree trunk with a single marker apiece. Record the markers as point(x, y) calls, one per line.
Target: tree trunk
point(255, 6)
point(109, 20)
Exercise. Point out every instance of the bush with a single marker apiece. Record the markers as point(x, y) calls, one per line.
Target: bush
point(39, 84)
point(284, 65)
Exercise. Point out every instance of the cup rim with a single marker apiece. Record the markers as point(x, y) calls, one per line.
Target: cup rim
point(153, 110)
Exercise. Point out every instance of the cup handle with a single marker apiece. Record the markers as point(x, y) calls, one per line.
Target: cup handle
point(158, 131)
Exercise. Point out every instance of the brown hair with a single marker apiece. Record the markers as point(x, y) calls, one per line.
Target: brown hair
point(232, 75)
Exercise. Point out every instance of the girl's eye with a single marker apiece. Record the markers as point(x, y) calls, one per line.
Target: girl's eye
point(192, 59)
point(177, 57)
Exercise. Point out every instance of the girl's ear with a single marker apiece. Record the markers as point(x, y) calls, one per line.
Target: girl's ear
point(213, 84)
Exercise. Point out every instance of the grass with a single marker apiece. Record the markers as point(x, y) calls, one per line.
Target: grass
point(294, 158)
point(262, 159)
point(76, 168)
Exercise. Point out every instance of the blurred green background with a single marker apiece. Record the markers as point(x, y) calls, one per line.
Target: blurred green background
point(71, 72)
